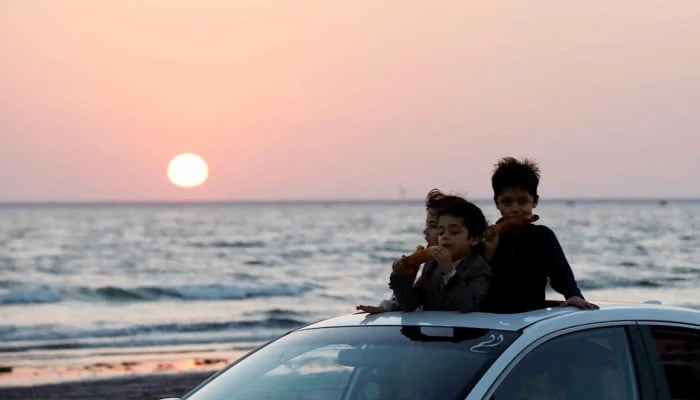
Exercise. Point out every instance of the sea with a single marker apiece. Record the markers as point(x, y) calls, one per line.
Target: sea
point(87, 279)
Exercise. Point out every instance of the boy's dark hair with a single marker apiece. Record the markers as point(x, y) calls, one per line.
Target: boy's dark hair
point(508, 172)
point(471, 215)
point(434, 199)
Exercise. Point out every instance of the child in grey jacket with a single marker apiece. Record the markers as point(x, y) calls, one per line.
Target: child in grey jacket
point(459, 277)
point(434, 200)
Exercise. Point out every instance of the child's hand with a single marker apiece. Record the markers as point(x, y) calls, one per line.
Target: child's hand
point(443, 258)
point(397, 267)
point(580, 303)
point(370, 309)
point(490, 241)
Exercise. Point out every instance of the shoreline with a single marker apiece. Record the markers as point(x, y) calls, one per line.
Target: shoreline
point(147, 376)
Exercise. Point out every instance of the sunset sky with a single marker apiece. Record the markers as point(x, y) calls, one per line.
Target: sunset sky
point(346, 99)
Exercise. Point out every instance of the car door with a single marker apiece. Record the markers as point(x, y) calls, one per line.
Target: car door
point(598, 363)
point(675, 354)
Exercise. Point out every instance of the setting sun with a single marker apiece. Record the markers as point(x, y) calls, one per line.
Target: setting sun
point(187, 170)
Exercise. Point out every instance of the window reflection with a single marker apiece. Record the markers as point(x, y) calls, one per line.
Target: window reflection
point(679, 350)
point(592, 364)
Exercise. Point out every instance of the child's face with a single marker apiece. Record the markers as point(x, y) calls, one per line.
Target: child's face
point(431, 230)
point(515, 201)
point(454, 236)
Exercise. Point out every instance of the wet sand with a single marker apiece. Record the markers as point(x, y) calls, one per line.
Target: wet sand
point(124, 376)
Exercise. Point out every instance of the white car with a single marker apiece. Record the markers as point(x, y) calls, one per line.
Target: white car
point(622, 351)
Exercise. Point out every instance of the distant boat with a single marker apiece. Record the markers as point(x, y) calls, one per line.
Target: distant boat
point(570, 203)
point(663, 203)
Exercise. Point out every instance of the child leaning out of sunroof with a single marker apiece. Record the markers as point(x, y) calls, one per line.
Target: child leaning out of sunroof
point(459, 277)
point(523, 260)
point(433, 201)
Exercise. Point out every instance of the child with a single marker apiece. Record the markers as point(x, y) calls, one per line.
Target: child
point(459, 278)
point(524, 259)
point(433, 201)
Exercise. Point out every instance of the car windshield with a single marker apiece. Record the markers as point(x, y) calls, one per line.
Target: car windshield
point(368, 363)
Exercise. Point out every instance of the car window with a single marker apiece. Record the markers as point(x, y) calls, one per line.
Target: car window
point(679, 352)
point(362, 363)
point(590, 364)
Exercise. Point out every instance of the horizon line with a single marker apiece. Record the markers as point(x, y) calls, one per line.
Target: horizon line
point(334, 200)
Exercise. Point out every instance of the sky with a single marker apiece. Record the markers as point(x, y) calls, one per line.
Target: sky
point(362, 99)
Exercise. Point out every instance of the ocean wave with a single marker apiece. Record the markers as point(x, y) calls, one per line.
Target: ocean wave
point(235, 244)
point(152, 293)
point(628, 264)
point(45, 332)
point(9, 283)
point(586, 284)
point(246, 342)
point(257, 262)
point(30, 296)
point(223, 292)
point(280, 313)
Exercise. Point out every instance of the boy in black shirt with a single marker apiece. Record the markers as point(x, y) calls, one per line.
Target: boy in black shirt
point(523, 259)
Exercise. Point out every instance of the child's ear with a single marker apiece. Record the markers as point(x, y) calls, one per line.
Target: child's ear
point(475, 240)
point(534, 203)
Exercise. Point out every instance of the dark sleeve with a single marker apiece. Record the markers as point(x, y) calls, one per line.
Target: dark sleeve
point(466, 290)
point(409, 296)
point(561, 277)
point(427, 270)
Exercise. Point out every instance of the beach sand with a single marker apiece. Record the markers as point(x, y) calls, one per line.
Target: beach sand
point(125, 376)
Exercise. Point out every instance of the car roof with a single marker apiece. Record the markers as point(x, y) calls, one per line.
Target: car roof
point(568, 316)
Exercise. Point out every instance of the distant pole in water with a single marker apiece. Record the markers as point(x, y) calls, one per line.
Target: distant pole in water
point(402, 192)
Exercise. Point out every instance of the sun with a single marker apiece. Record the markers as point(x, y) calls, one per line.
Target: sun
point(187, 170)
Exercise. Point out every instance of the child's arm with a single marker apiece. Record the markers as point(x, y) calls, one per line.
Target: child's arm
point(409, 296)
point(561, 277)
point(398, 268)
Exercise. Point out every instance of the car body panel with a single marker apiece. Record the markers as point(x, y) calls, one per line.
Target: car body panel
point(534, 328)
point(508, 322)
point(610, 314)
